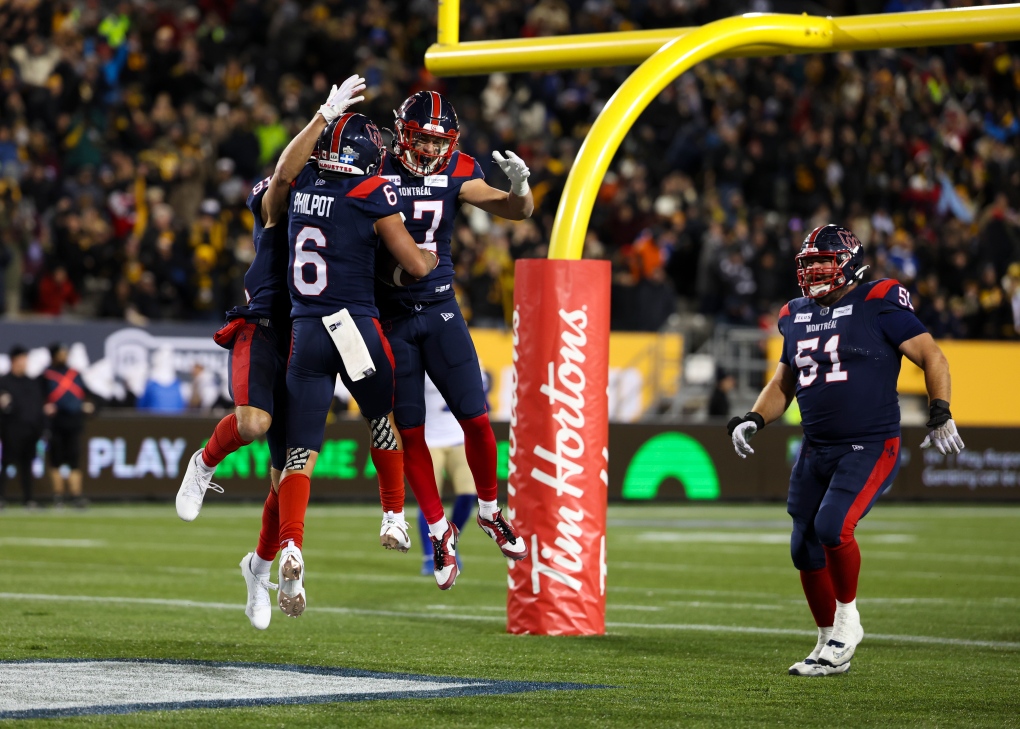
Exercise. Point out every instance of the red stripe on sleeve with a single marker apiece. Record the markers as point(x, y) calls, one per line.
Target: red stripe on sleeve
point(785, 311)
point(465, 166)
point(881, 289)
point(367, 187)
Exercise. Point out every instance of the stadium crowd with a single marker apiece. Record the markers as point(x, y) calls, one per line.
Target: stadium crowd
point(132, 132)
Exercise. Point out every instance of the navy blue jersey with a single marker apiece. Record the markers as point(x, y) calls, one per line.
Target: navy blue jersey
point(429, 205)
point(846, 359)
point(333, 242)
point(265, 281)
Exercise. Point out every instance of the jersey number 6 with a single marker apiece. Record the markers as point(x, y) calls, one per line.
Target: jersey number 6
point(809, 366)
point(304, 258)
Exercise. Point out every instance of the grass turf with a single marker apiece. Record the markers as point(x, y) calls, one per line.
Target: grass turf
point(933, 571)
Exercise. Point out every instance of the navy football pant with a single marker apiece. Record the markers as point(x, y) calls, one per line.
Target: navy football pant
point(257, 372)
point(434, 340)
point(311, 379)
point(831, 488)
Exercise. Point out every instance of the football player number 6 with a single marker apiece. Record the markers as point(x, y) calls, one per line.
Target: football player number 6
point(809, 366)
point(304, 258)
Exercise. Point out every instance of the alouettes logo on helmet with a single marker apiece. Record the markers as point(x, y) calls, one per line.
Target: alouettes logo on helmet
point(427, 130)
point(830, 258)
point(349, 145)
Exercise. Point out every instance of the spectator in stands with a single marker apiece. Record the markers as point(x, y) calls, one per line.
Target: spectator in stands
point(120, 126)
point(56, 292)
point(21, 423)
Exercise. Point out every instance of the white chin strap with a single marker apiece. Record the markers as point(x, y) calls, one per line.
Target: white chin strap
point(818, 289)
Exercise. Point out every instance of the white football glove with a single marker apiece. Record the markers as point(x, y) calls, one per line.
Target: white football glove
point(514, 168)
point(742, 435)
point(741, 431)
point(342, 97)
point(944, 438)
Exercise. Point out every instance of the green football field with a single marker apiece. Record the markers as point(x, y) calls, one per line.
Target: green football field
point(705, 615)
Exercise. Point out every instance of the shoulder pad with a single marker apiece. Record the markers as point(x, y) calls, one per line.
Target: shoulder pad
point(465, 165)
point(363, 189)
point(879, 289)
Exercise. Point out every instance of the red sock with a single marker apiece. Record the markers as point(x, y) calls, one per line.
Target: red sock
point(818, 590)
point(225, 440)
point(480, 449)
point(294, 490)
point(844, 564)
point(389, 466)
point(269, 537)
point(418, 468)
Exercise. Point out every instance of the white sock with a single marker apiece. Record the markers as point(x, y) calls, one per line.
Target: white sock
point(439, 528)
point(203, 465)
point(398, 515)
point(847, 606)
point(486, 509)
point(260, 566)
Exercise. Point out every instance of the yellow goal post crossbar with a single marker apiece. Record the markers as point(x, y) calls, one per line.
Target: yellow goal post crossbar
point(679, 50)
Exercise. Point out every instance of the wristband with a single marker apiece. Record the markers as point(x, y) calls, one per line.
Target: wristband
point(938, 411)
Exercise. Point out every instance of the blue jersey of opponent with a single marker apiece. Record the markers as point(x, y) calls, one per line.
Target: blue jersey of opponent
point(333, 242)
point(846, 359)
point(265, 281)
point(429, 205)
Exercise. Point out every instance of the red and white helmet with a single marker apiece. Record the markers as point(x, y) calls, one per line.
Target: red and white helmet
point(426, 118)
point(841, 256)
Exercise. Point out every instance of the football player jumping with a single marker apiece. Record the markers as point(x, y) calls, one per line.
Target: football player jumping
point(842, 347)
point(423, 321)
point(340, 209)
point(258, 336)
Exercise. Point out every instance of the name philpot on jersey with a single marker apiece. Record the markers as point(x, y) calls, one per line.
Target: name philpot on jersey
point(308, 204)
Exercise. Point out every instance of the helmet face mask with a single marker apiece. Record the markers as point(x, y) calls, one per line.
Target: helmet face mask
point(427, 130)
point(830, 258)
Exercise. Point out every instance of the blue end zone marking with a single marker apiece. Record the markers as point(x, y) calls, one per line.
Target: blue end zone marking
point(485, 687)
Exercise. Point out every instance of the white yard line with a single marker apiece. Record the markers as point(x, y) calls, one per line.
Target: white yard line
point(687, 627)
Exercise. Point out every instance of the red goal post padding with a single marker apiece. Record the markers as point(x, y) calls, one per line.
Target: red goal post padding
point(559, 437)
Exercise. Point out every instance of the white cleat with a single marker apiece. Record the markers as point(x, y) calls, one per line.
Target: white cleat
point(846, 634)
point(259, 608)
point(291, 594)
point(197, 480)
point(444, 558)
point(810, 665)
point(393, 534)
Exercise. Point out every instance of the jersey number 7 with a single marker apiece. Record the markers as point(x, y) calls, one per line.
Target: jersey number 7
point(808, 365)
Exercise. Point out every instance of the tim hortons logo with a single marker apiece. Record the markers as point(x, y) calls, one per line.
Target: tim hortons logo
point(565, 390)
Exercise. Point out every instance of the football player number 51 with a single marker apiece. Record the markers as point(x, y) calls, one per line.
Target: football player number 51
point(808, 365)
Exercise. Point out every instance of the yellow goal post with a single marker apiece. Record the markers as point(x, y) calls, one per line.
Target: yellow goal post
point(666, 54)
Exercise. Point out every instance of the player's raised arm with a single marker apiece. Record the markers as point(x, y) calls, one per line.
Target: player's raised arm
point(416, 261)
point(517, 204)
point(296, 154)
point(926, 354)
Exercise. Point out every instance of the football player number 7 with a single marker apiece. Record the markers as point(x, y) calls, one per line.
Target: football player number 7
point(808, 365)
point(436, 208)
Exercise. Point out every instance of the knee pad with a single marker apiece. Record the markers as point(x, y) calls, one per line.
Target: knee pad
point(383, 436)
point(829, 526)
point(805, 554)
